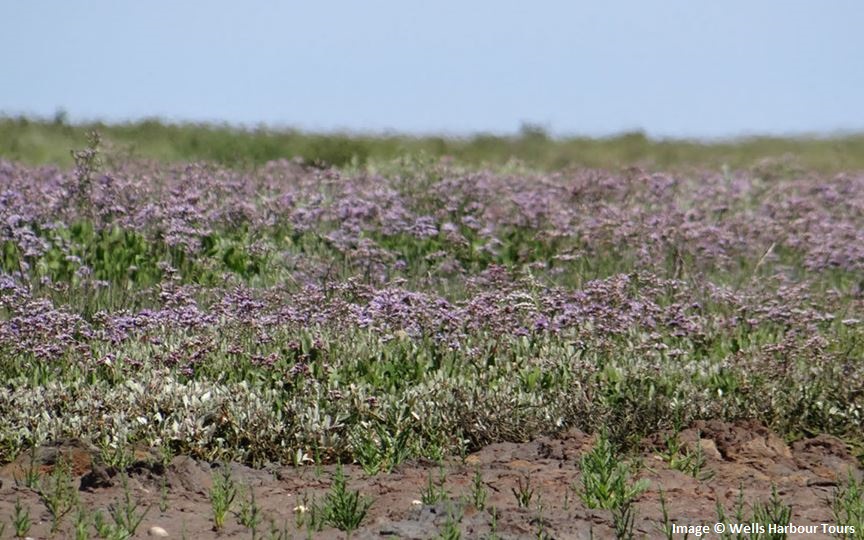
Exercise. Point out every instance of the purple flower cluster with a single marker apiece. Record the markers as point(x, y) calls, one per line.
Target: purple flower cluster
point(446, 256)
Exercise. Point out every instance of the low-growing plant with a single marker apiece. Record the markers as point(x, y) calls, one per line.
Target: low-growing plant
point(478, 491)
point(739, 515)
point(606, 480)
point(623, 520)
point(126, 513)
point(163, 494)
point(222, 495)
point(102, 526)
point(435, 491)
point(369, 455)
point(773, 511)
point(342, 508)
point(607, 483)
point(81, 528)
point(32, 474)
point(59, 495)
point(250, 515)
point(523, 492)
point(116, 453)
point(540, 522)
point(300, 511)
point(493, 524)
point(383, 451)
point(691, 461)
point(451, 530)
point(308, 515)
point(847, 506)
point(21, 521)
point(277, 533)
point(665, 526)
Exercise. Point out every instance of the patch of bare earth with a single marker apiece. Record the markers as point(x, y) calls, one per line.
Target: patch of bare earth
point(738, 457)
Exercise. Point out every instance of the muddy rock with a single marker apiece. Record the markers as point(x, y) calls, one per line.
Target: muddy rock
point(190, 475)
point(805, 474)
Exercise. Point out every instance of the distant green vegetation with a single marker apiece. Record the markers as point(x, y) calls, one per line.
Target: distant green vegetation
point(41, 141)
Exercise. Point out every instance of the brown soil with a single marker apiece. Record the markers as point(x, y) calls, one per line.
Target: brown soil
point(739, 457)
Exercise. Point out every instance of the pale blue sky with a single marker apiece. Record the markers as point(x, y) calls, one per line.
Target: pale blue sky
point(673, 68)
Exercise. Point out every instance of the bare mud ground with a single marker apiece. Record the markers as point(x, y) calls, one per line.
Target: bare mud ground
point(747, 456)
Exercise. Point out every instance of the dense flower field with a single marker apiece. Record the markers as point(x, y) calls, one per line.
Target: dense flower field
point(294, 313)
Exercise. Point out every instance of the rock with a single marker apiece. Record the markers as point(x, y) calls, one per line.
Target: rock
point(709, 448)
point(156, 530)
point(79, 454)
point(190, 474)
point(250, 476)
point(98, 477)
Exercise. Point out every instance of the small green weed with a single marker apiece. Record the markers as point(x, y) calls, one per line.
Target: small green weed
point(59, 496)
point(606, 484)
point(774, 511)
point(687, 460)
point(847, 506)
point(222, 494)
point(623, 519)
point(435, 492)
point(277, 533)
point(606, 479)
point(21, 519)
point(116, 454)
point(478, 491)
point(523, 492)
point(32, 475)
point(384, 451)
point(125, 514)
point(163, 494)
point(82, 524)
point(344, 509)
point(308, 515)
point(451, 529)
point(103, 528)
point(493, 524)
point(666, 526)
point(541, 523)
point(249, 515)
